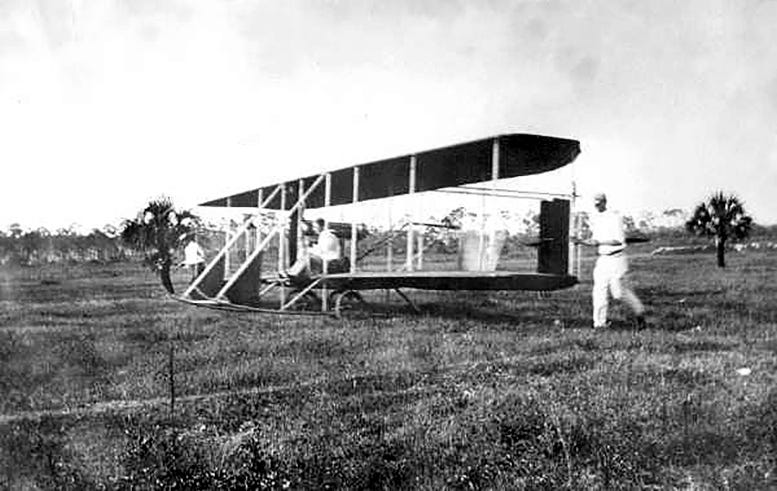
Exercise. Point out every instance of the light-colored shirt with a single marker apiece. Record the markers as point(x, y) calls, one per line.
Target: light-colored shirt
point(193, 254)
point(607, 226)
point(327, 247)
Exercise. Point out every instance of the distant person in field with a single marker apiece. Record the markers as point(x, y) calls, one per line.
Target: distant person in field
point(611, 264)
point(325, 253)
point(193, 256)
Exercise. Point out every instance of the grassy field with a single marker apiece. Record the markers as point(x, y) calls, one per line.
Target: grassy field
point(483, 391)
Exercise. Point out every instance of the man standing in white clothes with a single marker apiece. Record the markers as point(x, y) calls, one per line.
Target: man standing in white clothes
point(193, 256)
point(611, 265)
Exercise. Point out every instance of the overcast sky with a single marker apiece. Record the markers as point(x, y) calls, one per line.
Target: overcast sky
point(105, 104)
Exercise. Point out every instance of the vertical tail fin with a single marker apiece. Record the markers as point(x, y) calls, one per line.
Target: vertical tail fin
point(553, 255)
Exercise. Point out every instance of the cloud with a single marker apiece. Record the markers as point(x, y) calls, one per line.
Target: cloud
point(210, 97)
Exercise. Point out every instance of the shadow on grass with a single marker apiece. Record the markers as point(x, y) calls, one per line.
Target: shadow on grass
point(520, 313)
point(702, 345)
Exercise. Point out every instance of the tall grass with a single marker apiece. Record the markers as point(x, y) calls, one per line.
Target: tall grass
point(502, 391)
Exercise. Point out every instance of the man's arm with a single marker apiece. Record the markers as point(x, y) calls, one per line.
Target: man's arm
point(612, 242)
point(594, 242)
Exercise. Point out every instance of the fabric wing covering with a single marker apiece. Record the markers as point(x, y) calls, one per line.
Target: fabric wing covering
point(456, 165)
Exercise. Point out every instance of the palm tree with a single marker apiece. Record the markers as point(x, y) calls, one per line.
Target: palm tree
point(722, 217)
point(157, 232)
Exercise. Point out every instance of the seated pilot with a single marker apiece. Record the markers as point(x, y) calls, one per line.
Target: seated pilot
point(326, 251)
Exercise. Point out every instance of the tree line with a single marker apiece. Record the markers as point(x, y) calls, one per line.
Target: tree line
point(65, 245)
point(721, 217)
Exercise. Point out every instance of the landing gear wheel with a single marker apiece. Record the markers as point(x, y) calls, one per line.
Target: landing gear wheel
point(346, 301)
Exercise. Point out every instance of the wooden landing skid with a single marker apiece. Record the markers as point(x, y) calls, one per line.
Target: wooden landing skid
point(226, 306)
point(305, 300)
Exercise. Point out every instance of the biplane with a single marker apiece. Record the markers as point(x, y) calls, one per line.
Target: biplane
point(252, 281)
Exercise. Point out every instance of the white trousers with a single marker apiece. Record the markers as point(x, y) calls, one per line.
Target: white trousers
point(609, 279)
